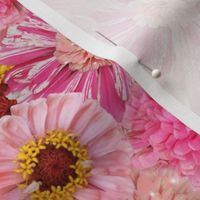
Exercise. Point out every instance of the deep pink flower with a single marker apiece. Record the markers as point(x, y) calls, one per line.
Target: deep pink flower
point(37, 72)
point(158, 137)
point(77, 58)
point(10, 13)
point(155, 184)
point(86, 145)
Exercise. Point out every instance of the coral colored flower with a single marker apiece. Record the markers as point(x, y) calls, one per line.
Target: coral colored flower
point(154, 184)
point(63, 147)
point(158, 137)
point(5, 105)
point(77, 58)
point(10, 13)
point(37, 72)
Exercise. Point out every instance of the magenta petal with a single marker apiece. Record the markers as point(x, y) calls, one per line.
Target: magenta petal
point(159, 136)
point(181, 133)
point(181, 148)
point(194, 144)
point(148, 159)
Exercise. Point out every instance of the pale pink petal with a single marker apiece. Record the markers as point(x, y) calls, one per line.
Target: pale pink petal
point(14, 194)
point(53, 102)
point(69, 106)
point(9, 179)
point(7, 166)
point(91, 122)
point(87, 193)
point(106, 143)
point(20, 110)
point(124, 186)
point(108, 160)
point(14, 131)
point(62, 109)
point(34, 114)
point(8, 152)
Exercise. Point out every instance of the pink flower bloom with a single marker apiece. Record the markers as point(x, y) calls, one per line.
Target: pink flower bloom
point(154, 184)
point(77, 58)
point(158, 137)
point(162, 34)
point(149, 29)
point(10, 13)
point(37, 72)
point(86, 146)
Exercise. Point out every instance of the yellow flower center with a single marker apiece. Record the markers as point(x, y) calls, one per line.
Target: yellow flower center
point(58, 163)
point(3, 70)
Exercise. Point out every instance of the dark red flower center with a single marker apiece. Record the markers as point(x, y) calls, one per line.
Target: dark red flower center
point(3, 88)
point(53, 168)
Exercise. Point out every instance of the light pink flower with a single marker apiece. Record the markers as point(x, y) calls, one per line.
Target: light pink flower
point(155, 184)
point(163, 34)
point(63, 117)
point(158, 137)
point(37, 72)
point(77, 58)
point(10, 13)
point(150, 29)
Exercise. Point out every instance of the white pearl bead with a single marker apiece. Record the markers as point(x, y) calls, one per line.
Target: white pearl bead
point(156, 73)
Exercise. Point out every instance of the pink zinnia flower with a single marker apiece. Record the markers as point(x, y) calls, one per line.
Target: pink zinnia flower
point(158, 137)
point(10, 13)
point(37, 72)
point(63, 147)
point(78, 59)
point(155, 184)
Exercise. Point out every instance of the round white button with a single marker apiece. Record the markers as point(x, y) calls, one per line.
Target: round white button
point(156, 73)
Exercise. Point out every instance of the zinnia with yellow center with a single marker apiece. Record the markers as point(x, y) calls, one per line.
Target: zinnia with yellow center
point(63, 147)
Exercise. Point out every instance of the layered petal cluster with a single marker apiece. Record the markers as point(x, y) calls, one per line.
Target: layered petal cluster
point(10, 13)
point(158, 137)
point(88, 123)
point(156, 184)
point(78, 59)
